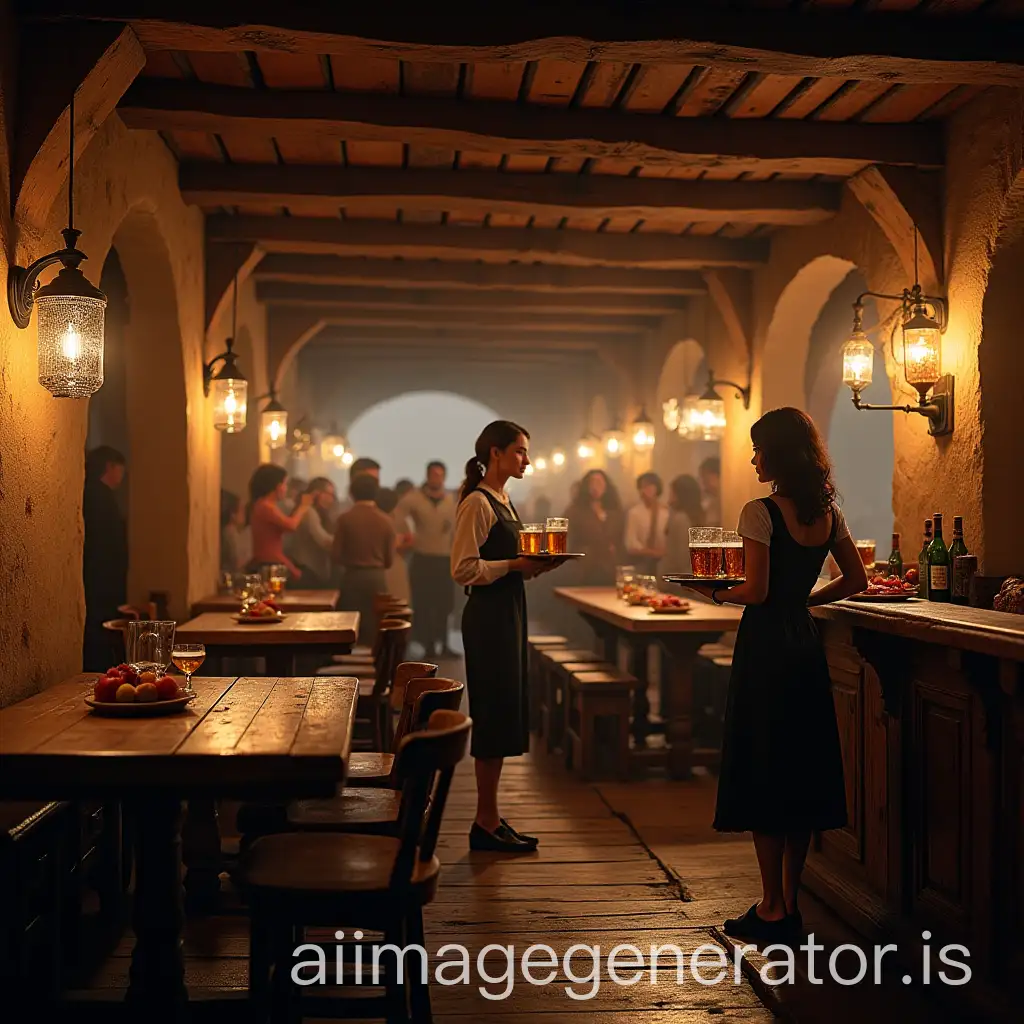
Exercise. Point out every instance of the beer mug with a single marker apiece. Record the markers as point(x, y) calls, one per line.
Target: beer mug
point(531, 538)
point(150, 646)
point(732, 554)
point(706, 551)
point(557, 531)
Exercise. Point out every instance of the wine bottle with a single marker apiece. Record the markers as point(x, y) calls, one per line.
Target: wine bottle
point(956, 549)
point(922, 561)
point(940, 583)
point(895, 558)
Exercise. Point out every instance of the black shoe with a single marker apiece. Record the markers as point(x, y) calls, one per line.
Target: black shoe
point(501, 840)
point(796, 924)
point(532, 840)
point(752, 926)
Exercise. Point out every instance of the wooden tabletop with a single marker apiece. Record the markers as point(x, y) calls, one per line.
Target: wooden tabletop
point(221, 629)
point(249, 738)
point(604, 603)
point(288, 600)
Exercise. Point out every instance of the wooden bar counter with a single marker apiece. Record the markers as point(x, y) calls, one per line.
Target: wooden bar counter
point(930, 702)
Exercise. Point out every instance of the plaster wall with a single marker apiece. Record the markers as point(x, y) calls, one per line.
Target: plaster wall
point(126, 195)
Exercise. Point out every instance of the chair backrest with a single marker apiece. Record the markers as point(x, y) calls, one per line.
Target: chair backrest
point(423, 696)
point(426, 763)
point(404, 672)
point(119, 626)
point(394, 637)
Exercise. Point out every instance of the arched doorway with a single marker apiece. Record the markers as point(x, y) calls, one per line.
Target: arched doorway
point(683, 373)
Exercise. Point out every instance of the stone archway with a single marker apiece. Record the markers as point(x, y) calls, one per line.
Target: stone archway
point(159, 495)
point(683, 372)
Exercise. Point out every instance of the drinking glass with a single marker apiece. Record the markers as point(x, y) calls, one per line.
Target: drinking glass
point(647, 587)
point(531, 538)
point(274, 578)
point(623, 579)
point(150, 645)
point(557, 531)
point(732, 553)
point(866, 550)
point(706, 551)
point(187, 658)
point(252, 590)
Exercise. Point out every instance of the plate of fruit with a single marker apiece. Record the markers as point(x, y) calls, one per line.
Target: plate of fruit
point(668, 604)
point(889, 588)
point(124, 693)
point(262, 611)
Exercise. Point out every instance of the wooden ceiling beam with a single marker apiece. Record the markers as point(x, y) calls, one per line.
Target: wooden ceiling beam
point(482, 320)
point(888, 46)
point(511, 128)
point(505, 302)
point(451, 274)
point(418, 241)
point(307, 190)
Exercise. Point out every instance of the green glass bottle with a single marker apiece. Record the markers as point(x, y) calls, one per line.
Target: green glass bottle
point(940, 575)
point(895, 558)
point(956, 549)
point(922, 561)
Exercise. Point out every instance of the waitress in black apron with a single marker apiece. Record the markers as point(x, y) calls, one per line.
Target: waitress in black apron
point(486, 562)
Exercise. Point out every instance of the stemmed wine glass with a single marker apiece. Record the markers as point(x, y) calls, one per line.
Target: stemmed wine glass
point(187, 658)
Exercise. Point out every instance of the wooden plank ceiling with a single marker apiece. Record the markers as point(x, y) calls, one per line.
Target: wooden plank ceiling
point(564, 169)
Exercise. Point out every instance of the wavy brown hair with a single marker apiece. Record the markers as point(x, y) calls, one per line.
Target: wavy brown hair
point(795, 457)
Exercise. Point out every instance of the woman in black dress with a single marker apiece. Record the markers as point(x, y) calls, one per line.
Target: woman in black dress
point(485, 560)
point(782, 770)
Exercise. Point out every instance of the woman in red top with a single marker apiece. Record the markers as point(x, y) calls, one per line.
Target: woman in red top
point(267, 523)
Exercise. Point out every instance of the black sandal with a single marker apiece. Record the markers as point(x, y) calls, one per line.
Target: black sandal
point(752, 926)
point(533, 840)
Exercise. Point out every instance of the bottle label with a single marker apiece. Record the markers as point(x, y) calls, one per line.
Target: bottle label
point(938, 578)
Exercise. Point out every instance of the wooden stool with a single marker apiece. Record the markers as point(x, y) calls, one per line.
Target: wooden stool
point(605, 694)
point(535, 679)
point(552, 704)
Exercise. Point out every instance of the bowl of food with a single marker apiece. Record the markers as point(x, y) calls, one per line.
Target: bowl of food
point(262, 611)
point(124, 693)
point(887, 588)
point(668, 604)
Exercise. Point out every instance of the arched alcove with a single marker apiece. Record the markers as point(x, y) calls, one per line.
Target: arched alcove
point(157, 413)
point(684, 372)
point(405, 432)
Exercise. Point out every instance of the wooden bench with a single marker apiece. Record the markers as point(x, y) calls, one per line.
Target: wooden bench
point(597, 722)
point(552, 702)
point(535, 680)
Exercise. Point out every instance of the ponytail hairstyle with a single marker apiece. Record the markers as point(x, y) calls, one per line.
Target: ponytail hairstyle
point(499, 434)
point(794, 455)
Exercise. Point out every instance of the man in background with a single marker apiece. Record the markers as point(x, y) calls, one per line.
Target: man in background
point(647, 524)
point(710, 473)
point(360, 467)
point(364, 544)
point(431, 511)
point(105, 555)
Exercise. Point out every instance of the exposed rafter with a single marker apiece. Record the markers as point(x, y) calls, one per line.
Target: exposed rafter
point(892, 47)
point(451, 274)
point(419, 241)
point(825, 147)
point(314, 189)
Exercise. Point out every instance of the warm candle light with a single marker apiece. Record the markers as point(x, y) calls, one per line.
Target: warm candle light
point(585, 447)
point(672, 415)
point(541, 463)
point(274, 425)
point(614, 442)
point(230, 401)
point(557, 460)
point(922, 350)
point(858, 360)
point(643, 433)
point(333, 448)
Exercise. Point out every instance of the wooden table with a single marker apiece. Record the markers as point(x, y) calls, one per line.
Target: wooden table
point(679, 636)
point(259, 739)
point(288, 601)
point(301, 633)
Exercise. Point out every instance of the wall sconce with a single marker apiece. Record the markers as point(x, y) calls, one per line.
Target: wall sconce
point(672, 415)
point(273, 422)
point(643, 432)
point(703, 416)
point(557, 460)
point(586, 447)
point(924, 321)
point(69, 325)
point(333, 448)
point(229, 387)
point(614, 442)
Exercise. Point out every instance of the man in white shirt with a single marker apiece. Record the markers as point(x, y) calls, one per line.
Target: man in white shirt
point(646, 525)
point(430, 510)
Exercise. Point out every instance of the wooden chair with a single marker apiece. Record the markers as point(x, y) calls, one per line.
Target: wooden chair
point(300, 880)
point(599, 703)
point(535, 680)
point(373, 709)
point(552, 705)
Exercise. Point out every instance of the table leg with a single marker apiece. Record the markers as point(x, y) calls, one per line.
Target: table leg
point(157, 975)
point(680, 650)
point(641, 703)
point(201, 853)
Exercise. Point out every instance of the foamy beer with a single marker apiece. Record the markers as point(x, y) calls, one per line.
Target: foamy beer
point(866, 550)
point(531, 538)
point(557, 531)
point(732, 553)
point(706, 551)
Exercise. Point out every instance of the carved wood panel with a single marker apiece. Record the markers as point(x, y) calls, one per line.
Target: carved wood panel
point(845, 671)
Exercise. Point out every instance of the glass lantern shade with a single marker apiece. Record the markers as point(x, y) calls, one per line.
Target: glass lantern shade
point(230, 402)
point(922, 350)
point(858, 359)
point(274, 426)
point(672, 415)
point(643, 433)
point(586, 448)
point(704, 417)
point(557, 460)
point(70, 340)
point(614, 442)
point(333, 448)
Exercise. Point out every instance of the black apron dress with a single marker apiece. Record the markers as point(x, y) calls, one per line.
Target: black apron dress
point(782, 767)
point(494, 638)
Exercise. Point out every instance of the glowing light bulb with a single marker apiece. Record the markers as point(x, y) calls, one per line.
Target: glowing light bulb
point(275, 430)
point(71, 344)
point(558, 459)
point(347, 459)
point(540, 463)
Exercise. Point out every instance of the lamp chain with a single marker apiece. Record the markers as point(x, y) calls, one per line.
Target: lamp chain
point(71, 163)
point(917, 277)
point(234, 311)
